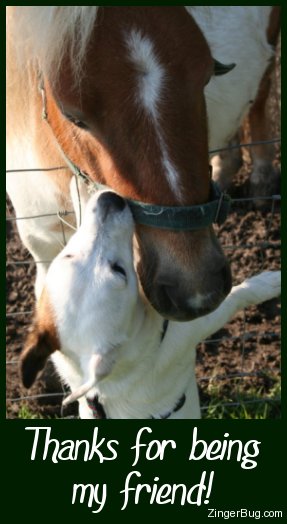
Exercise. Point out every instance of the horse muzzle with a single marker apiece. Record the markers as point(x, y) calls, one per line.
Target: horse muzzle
point(184, 290)
point(175, 302)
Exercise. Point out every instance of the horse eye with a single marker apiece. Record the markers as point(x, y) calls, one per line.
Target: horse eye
point(118, 269)
point(76, 122)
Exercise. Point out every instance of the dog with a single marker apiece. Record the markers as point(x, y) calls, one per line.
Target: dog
point(107, 342)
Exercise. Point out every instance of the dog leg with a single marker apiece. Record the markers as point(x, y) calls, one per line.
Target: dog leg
point(265, 286)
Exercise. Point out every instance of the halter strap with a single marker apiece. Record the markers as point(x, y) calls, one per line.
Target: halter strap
point(183, 218)
point(175, 218)
point(178, 218)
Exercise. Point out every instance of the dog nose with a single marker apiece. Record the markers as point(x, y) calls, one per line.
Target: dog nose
point(109, 202)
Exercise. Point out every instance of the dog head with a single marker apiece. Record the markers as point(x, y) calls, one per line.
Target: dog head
point(89, 301)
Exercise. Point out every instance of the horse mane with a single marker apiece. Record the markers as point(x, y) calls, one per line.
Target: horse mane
point(42, 34)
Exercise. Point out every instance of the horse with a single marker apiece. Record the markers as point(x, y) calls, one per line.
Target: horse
point(255, 122)
point(133, 97)
point(114, 351)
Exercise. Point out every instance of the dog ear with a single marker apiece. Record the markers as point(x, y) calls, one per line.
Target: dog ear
point(38, 348)
point(41, 342)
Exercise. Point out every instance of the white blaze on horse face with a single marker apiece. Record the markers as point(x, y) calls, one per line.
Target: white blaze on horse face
point(151, 71)
point(151, 85)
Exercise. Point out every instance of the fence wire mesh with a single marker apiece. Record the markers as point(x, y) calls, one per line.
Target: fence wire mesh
point(229, 375)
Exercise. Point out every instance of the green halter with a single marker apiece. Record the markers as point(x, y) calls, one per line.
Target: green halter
point(183, 218)
point(175, 218)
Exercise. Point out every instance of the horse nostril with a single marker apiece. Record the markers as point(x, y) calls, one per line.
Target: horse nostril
point(109, 201)
point(197, 298)
point(168, 293)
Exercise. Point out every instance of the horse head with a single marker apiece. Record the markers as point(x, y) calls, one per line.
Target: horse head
point(133, 117)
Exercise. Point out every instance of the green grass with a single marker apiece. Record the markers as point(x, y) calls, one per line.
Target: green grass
point(25, 412)
point(254, 404)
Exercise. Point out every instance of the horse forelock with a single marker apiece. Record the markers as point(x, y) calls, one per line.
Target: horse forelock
point(43, 33)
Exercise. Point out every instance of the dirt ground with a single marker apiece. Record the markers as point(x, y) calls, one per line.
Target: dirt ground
point(244, 356)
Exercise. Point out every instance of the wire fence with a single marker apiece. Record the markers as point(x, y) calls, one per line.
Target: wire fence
point(263, 245)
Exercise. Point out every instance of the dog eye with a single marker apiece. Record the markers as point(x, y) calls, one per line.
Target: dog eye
point(118, 269)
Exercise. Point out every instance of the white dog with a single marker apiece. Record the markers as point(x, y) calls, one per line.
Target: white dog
point(106, 341)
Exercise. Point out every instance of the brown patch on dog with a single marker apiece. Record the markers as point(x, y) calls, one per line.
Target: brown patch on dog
point(41, 342)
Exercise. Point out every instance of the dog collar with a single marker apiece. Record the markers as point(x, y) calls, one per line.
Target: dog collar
point(96, 407)
point(99, 412)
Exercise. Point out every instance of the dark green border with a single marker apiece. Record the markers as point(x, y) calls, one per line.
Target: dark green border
point(46, 487)
point(41, 490)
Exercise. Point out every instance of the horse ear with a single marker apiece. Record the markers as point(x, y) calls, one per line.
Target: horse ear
point(41, 342)
point(222, 69)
